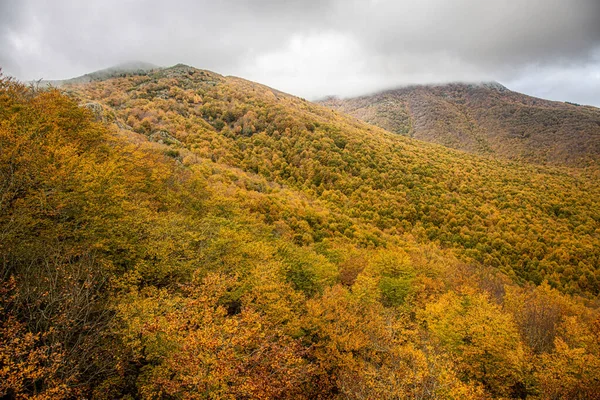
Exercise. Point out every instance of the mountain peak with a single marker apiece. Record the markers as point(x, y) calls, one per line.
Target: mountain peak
point(183, 70)
point(494, 85)
point(129, 67)
point(132, 66)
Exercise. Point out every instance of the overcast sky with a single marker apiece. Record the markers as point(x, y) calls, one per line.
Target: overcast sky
point(314, 48)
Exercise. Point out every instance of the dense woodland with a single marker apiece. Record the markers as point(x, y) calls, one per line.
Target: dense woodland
point(181, 235)
point(486, 119)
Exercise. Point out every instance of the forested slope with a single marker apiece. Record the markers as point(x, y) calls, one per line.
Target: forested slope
point(186, 235)
point(532, 222)
point(486, 119)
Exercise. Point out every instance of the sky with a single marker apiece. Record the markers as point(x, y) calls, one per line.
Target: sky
point(316, 48)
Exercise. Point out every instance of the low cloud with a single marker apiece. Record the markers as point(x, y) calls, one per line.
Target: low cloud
point(315, 48)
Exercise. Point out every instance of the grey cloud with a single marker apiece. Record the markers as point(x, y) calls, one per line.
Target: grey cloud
point(491, 33)
point(312, 47)
point(215, 35)
point(10, 17)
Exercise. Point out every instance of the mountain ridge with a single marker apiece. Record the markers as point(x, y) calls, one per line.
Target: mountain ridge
point(131, 67)
point(485, 118)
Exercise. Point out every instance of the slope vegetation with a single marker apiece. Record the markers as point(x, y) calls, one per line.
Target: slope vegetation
point(486, 119)
point(532, 222)
point(187, 235)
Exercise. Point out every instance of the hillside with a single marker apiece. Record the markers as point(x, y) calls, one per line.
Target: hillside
point(485, 119)
point(130, 68)
point(181, 234)
point(389, 182)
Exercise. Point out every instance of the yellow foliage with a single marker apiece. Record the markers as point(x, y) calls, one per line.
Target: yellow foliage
point(264, 247)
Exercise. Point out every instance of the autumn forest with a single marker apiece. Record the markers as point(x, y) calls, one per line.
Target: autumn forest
point(179, 234)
